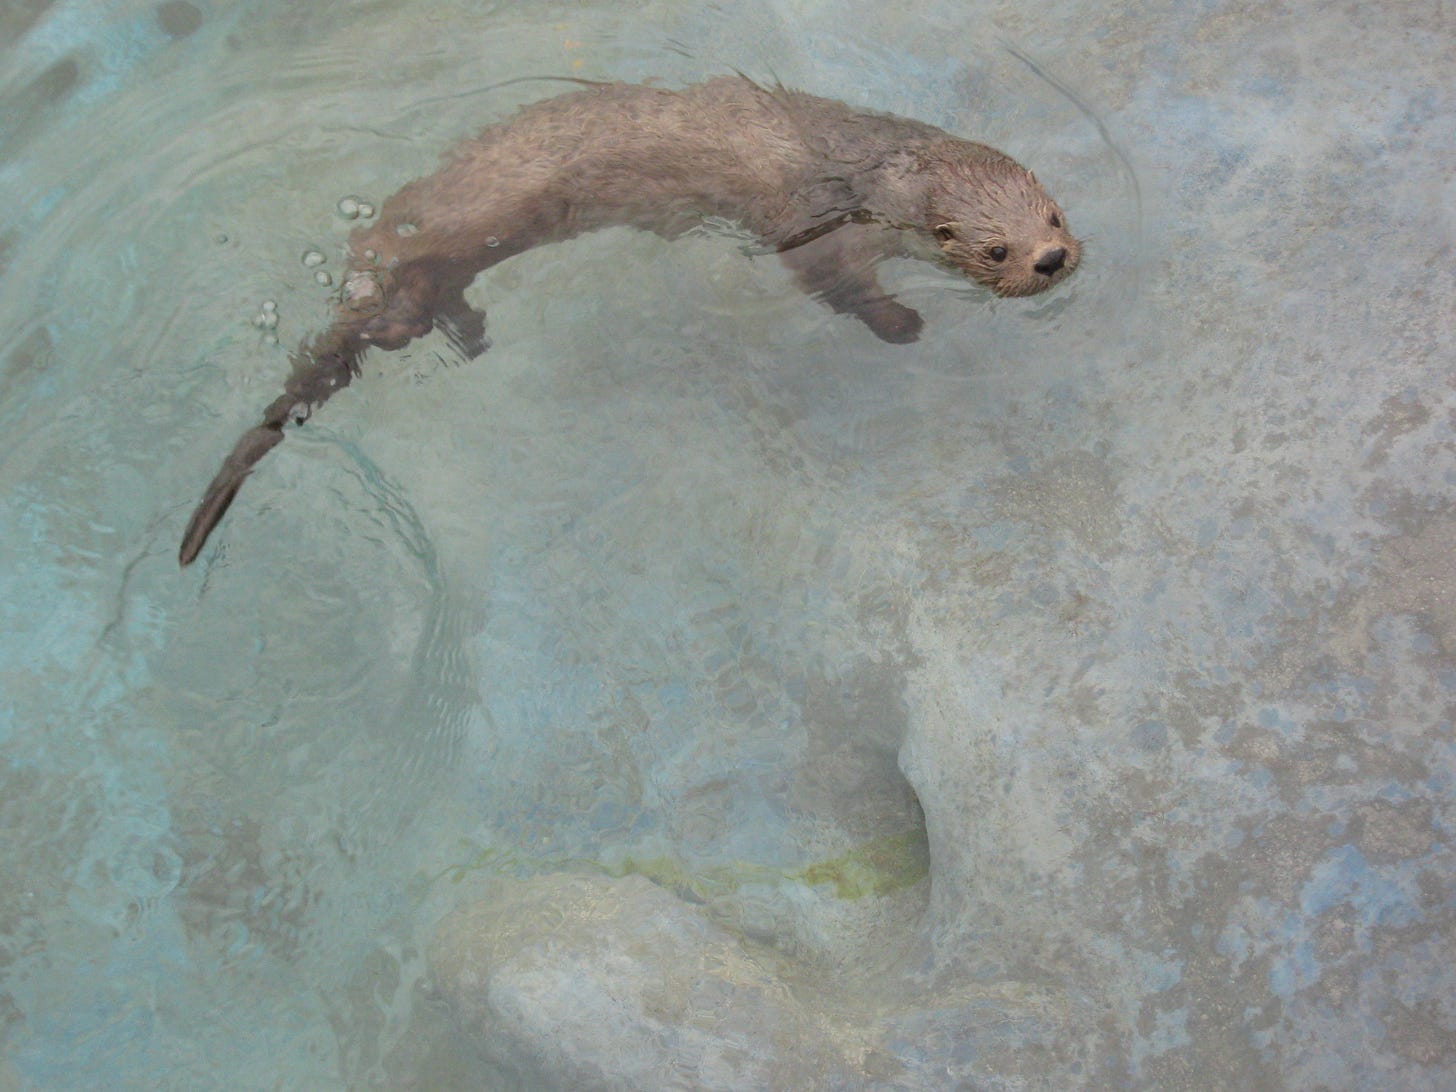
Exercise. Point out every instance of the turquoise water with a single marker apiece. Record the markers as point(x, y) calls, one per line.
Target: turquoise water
point(694, 691)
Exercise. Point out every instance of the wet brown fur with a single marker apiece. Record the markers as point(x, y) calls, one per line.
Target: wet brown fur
point(832, 189)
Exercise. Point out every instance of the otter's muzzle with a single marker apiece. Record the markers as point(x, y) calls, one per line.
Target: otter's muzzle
point(1051, 261)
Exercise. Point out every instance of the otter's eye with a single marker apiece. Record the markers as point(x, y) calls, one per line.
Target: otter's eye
point(997, 253)
point(1055, 221)
point(944, 233)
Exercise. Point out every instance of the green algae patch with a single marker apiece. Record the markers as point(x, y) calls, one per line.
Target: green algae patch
point(702, 886)
point(877, 867)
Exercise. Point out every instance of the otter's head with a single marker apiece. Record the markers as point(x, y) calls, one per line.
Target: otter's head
point(992, 220)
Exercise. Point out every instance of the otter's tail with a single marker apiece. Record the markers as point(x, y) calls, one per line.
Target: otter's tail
point(318, 371)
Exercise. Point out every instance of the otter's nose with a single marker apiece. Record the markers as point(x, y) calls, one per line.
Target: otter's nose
point(1051, 261)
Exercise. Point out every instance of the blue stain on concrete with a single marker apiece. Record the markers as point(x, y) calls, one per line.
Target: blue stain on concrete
point(1294, 968)
point(1345, 877)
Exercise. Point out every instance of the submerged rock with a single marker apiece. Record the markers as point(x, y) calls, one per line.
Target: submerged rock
point(570, 981)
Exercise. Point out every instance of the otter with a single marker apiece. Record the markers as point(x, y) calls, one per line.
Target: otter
point(831, 189)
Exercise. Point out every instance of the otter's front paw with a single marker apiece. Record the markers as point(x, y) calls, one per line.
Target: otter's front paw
point(891, 321)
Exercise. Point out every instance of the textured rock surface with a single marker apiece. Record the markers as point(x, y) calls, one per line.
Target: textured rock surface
point(592, 982)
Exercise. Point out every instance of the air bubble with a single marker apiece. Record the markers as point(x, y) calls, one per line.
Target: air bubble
point(406, 230)
point(267, 316)
point(366, 210)
point(361, 287)
point(371, 255)
point(313, 258)
point(491, 240)
point(349, 208)
point(323, 278)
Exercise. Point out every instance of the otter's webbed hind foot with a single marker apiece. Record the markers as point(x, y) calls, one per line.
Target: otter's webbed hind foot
point(462, 325)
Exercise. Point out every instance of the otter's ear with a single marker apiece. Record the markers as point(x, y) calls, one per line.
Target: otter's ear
point(945, 233)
